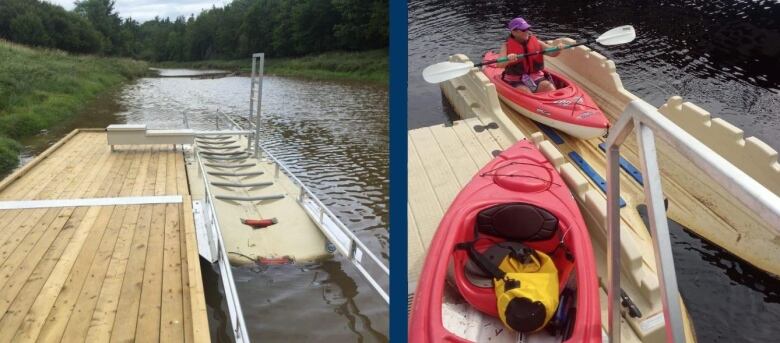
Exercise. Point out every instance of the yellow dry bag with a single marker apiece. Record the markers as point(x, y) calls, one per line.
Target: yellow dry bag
point(528, 293)
point(526, 285)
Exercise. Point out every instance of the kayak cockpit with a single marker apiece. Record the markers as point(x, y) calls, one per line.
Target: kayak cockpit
point(508, 229)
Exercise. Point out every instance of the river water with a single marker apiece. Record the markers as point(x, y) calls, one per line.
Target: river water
point(721, 55)
point(333, 136)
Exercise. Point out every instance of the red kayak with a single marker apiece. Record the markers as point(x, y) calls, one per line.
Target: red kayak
point(518, 190)
point(568, 108)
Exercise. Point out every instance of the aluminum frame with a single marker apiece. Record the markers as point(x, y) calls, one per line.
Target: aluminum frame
point(648, 123)
point(228, 283)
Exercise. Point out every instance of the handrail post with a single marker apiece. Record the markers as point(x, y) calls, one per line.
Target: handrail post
point(643, 119)
point(260, 64)
point(613, 243)
point(251, 98)
point(662, 245)
point(617, 135)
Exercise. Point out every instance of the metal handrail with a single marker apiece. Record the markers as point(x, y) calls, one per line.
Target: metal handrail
point(648, 123)
point(348, 251)
point(231, 294)
point(354, 250)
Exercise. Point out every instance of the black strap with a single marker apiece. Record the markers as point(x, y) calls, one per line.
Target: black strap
point(480, 260)
point(484, 263)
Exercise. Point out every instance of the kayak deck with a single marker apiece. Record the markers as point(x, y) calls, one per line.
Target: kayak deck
point(106, 251)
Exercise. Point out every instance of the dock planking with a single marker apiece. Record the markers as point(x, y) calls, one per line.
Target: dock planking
point(100, 273)
point(442, 159)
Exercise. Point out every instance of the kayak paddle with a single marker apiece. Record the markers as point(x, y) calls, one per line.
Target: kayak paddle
point(444, 71)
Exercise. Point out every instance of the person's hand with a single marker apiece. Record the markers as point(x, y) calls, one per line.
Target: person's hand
point(512, 57)
point(560, 46)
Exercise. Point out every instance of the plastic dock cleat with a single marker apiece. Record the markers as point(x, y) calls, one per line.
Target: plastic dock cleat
point(259, 223)
point(274, 261)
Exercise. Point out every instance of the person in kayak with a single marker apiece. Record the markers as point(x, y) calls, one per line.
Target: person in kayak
point(525, 74)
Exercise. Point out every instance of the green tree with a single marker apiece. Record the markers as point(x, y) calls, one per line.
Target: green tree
point(363, 24)
point(277, 27)
point(28, 29)
point(312, 26)
point(103, 18)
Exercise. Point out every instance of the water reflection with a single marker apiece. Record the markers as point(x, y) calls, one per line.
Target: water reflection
point(720, 55)
point(726, 297)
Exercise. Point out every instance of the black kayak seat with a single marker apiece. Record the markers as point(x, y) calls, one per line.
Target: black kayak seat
point(517, 222)
point(514, 222)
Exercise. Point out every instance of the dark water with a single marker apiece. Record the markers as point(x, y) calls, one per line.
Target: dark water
point(720, 55)
point(333, 136)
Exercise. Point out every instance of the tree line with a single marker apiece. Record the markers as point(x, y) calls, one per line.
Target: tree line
point(280, 28)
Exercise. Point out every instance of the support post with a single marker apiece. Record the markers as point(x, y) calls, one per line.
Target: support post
point(260, 62)
point(617, 135)
point(251, 99)
point(662, 245)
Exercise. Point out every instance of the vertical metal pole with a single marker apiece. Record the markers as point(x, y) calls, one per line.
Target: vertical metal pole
point(664, 260)
point(617, 134)
point(260, 64)
point(613, 242)
point(251, 99)
point(252, 90)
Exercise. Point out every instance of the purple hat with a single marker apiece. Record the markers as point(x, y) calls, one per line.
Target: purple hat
point(518, 24)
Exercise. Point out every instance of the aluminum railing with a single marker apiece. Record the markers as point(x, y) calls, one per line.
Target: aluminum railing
point(342, 237)
point(648, 123)
point(231, 294)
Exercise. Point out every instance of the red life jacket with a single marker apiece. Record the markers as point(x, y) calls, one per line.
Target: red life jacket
point(528, 64)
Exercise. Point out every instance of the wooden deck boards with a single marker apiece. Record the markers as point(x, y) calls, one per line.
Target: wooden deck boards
point(100, 273)
point(442, 159)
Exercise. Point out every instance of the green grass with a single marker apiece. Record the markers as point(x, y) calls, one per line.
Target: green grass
point(368, 66)
point(39, 88)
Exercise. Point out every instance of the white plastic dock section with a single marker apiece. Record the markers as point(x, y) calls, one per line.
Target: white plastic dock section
point(696, 201)
point(295, 237)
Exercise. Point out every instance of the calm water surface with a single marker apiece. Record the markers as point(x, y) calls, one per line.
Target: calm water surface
point(720, 55)
point(333, 135)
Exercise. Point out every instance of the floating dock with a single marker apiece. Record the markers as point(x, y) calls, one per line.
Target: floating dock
point(245, 187)
point(443, 158)
point(100, 246)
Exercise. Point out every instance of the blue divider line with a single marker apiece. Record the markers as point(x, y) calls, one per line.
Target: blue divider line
point(627, 166)
point(550, 132)
point(592, 174)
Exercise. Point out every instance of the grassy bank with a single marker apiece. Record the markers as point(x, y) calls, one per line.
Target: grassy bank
point(360, 66)
point(40, 87)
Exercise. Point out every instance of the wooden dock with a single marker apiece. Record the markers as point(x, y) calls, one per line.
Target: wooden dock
point(99, 246)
